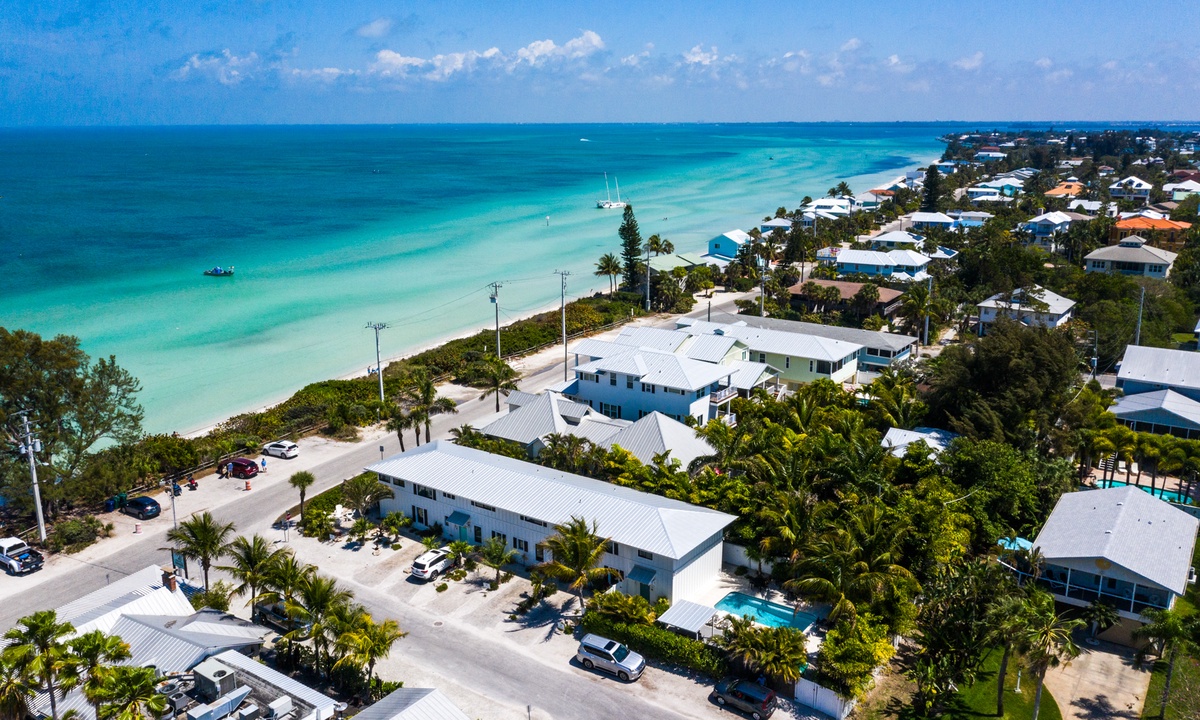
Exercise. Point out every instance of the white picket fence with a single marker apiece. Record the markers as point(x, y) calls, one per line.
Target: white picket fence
point(820, 698)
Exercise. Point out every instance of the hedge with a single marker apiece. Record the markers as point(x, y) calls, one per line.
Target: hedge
point(656, 643)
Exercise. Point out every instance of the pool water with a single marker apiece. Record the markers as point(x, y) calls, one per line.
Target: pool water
point(1168, 495)
point(764, 612)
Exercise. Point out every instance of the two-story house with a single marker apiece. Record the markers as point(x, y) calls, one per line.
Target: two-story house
point(1036, 307)
point(1157, 231)
point(927, 220)
point(1132, 188)
point(1044, 229)
point(865, 262)
point(1131, 256)
point(727, 245)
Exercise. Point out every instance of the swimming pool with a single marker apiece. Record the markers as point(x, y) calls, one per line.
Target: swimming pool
point(1168, 495)
point(764, 612)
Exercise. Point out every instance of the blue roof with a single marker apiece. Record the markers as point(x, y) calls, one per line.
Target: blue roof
point(1019, 543)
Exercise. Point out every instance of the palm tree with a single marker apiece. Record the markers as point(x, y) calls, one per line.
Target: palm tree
point(202, 538)
point(302, 481)
point(254, 560)
point(92, 656)
point(38, 649)
point(1046, 641)
point(399, 423)
point(426, 402)
point(575, 554)
point(316, 608)
point(496, 554)
point(916, 306)
point(1008, 616)
point(460, 550)
point(609, 265)
point(1101, 616)
point(132, 694)
point(284, 581)
point(366, 644)
point(501, 379)
point(776, 652)
point(362, 491)
point(659, 245)
point(15, 692)
point(1168, 632)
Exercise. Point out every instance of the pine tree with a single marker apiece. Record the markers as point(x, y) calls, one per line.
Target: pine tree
point(631, 247)
point(933, 189)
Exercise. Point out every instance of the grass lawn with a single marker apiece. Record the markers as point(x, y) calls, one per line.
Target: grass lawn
point(1184, 703)
point(979, 700)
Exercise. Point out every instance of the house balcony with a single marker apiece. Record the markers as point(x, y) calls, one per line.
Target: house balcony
point(1082, 588)
point(721, 395)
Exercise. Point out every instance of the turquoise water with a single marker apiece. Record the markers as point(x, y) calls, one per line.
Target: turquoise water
point(765, 613)
point(1168, 495)
point(106, 232)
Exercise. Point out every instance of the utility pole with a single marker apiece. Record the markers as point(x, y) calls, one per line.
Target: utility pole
point(930, 299)
point(564, 275)
point(1095, 352)
point(378, 363)
point(1137, 336)
point(762, 293)
point(28, 446)
point(496, 301)
point(647, 277)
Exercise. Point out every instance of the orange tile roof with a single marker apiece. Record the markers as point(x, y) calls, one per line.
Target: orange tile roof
point(1066, 189)
point(1145, 223)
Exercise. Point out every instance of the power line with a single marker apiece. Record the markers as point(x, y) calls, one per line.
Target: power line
point(496, 301)
point(378, 362)
point(564, 274)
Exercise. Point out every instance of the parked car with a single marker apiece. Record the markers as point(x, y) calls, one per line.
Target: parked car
point(282, 449)
point(432, 563)
point(143, 508)
point(273, 616)
point(17, 557)
point(757, 701)
point(243, 468)
point(610, 656)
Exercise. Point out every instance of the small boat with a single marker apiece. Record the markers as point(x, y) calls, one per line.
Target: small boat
point(609, 203)
point(220, 272)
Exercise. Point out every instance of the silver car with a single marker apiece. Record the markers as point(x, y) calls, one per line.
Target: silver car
point(282, 449)
point(610, 656)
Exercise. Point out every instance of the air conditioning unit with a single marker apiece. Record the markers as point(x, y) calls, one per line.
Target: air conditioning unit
point(249, 712)
point(178, 702)
point(213, 679)
point(279, 708)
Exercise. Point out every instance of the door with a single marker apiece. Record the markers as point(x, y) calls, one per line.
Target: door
point(644, 590)
point(462, 533)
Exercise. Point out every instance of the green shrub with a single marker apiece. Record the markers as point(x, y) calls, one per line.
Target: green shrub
point(441, 587)
point(73, 535)
point(849, 655)
point(654, 642)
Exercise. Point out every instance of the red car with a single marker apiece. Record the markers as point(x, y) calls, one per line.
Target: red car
point(242, 468)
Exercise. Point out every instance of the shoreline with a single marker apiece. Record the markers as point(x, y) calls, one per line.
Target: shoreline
point(441, 340)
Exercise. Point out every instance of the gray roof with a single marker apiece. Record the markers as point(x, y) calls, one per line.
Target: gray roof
point(1055, 304)
point(1128, 251)
point(898, 439)
point(1172, 368)
point(175, 644)
point(322, 704)
point(641, 520)
point(1167, 401)
point(866, 338)
point(1126, 526)
point(769, 340)
point(541, 416)
point(687, 615)
point(518, 398)
point(659, 368)
point(655, 434)
point(413, 704)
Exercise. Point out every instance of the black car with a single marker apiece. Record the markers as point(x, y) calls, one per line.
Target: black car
point(143, 508)
point(757, 701)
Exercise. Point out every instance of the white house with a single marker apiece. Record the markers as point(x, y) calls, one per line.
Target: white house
point(1035, 307)
point(1120, 545)
point(925, 220)
point(658, 546)
point(1181, 190)
point(879, 349)
point(987, 155)
point(897, 239)
point(897, 440)
point(835, 206)
point(1008, 185)
point(1044, 228)
point(1131, 188)
point(1131, 256)
point(727, 245)
point(1146, 369)
point(770, 226)
point(979, 193)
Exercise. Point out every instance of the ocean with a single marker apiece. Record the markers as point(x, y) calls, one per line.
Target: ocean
point(106, 233)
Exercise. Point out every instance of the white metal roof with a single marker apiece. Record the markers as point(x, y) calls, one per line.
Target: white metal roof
point(908, 257)
point(1126, 526)
point(898, 439)
point(934, 217)
point(1129, 407)
point(1131, 182)
point(1056, 217)
point(710, 348)
point(659, 368)
point(537, 418)
point(323, 705)
point(1172, 368)
point(864, 257)
point(141, 593)
point(866, 338)
point(655, 434)
point(750, 375)
point(641, 520)
point(651, 337)
point(413, 704)
point(767, 340)
point(687, 615)
point(1055, 304)
point(898, 236)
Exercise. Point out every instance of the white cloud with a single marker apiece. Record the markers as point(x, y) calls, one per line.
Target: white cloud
point(697, 56)
point(584, 45)
point(225, 67)
point(796, 61)
point(327, 75)
point(446, 65)
point(377, 28)
point(971, 62)
point(1044, 63)
point(390, 63)
point(539, 52)
point(895, 64)
point(1060, 75)
point(1110, 65)
point(851, 45)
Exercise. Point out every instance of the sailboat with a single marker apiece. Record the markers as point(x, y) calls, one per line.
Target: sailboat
point(608, 203)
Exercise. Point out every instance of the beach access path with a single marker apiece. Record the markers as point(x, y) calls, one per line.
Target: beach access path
point(67, 577)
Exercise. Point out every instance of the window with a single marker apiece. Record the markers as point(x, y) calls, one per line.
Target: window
point(762, 357)
point(448, 496)
point(612, 379)
point(810, 365)
point(481, 505)
point(613, 411)
point(613, 548)
point(589, 377)
point(824, 368)
point(532, 521)
point(674, 391)
point(425, 492)
point(787, 362)
point(628, 382)
point(539, 553)
point(478, 535)
point(419, 515)
point(645, 555)
point(647, 388)
point(395, 481)
point(500, 535)
point(519, 544)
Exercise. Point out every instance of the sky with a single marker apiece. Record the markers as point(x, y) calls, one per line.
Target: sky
point(165, 62)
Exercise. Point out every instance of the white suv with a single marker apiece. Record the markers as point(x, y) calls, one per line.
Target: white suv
point(282, 449)
point(433, 563)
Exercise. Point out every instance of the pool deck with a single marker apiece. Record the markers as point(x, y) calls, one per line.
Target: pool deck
point(1163, 482)
point(728, 582)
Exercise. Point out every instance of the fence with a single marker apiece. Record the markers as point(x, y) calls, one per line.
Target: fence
point(821, 698)
point(736, 555)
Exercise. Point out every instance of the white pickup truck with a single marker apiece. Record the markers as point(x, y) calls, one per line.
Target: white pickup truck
point(17, 557)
